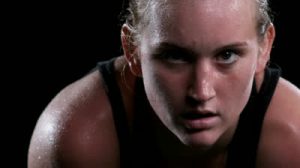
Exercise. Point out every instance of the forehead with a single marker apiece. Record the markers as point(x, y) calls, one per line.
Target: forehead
point(202, 5)
point(183, 19)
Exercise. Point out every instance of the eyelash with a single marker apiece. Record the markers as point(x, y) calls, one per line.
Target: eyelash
point(225, 57)
point(230, 54)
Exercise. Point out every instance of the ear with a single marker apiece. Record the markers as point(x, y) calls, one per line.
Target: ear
point(265, 48)
point(130, 50)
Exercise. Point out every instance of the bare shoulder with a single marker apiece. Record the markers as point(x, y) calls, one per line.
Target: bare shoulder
point(280, 139)
point(76, 129)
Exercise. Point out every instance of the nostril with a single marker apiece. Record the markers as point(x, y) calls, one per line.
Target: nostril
point(193, 100)
point(198, 98)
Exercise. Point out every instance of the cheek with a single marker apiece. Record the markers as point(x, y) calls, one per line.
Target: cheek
point(236, 91)
point(157, 93)
point(165, 90)
point(153, 83)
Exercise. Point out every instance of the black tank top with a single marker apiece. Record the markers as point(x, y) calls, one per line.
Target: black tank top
point(139, 150)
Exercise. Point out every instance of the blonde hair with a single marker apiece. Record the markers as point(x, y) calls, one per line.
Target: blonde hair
point(137, 15)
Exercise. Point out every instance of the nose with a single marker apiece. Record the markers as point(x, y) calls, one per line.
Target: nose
point(202, 82)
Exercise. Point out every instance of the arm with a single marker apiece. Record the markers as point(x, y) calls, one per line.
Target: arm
point(280, 139)
point(76, 129)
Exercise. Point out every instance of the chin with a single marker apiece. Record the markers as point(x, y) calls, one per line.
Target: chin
point(200, 140)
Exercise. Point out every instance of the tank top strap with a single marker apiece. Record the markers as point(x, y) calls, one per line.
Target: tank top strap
point(107, 70)
point(243, 148)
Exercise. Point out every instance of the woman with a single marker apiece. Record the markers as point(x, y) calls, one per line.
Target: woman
point(193, 89)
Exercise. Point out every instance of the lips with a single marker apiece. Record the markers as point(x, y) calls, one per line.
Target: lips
point(197, 115)
point(199, 120)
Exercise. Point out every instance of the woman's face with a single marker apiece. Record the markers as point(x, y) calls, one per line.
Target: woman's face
point(198, 60)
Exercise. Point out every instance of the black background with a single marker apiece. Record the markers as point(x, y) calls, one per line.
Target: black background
point(47, 45)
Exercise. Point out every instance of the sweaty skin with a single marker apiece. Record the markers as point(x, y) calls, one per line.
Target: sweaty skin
point(214, 46)
point(198, 60)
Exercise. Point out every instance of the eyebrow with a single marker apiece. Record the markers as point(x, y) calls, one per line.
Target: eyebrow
point(167, 45)
point(232, 45)
point(172, 46)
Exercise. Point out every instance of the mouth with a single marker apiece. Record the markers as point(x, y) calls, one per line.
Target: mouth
point(195, 121)
point(195, 115)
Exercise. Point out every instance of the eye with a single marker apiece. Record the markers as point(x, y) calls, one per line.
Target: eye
point(228, 56)
point(174, 57)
